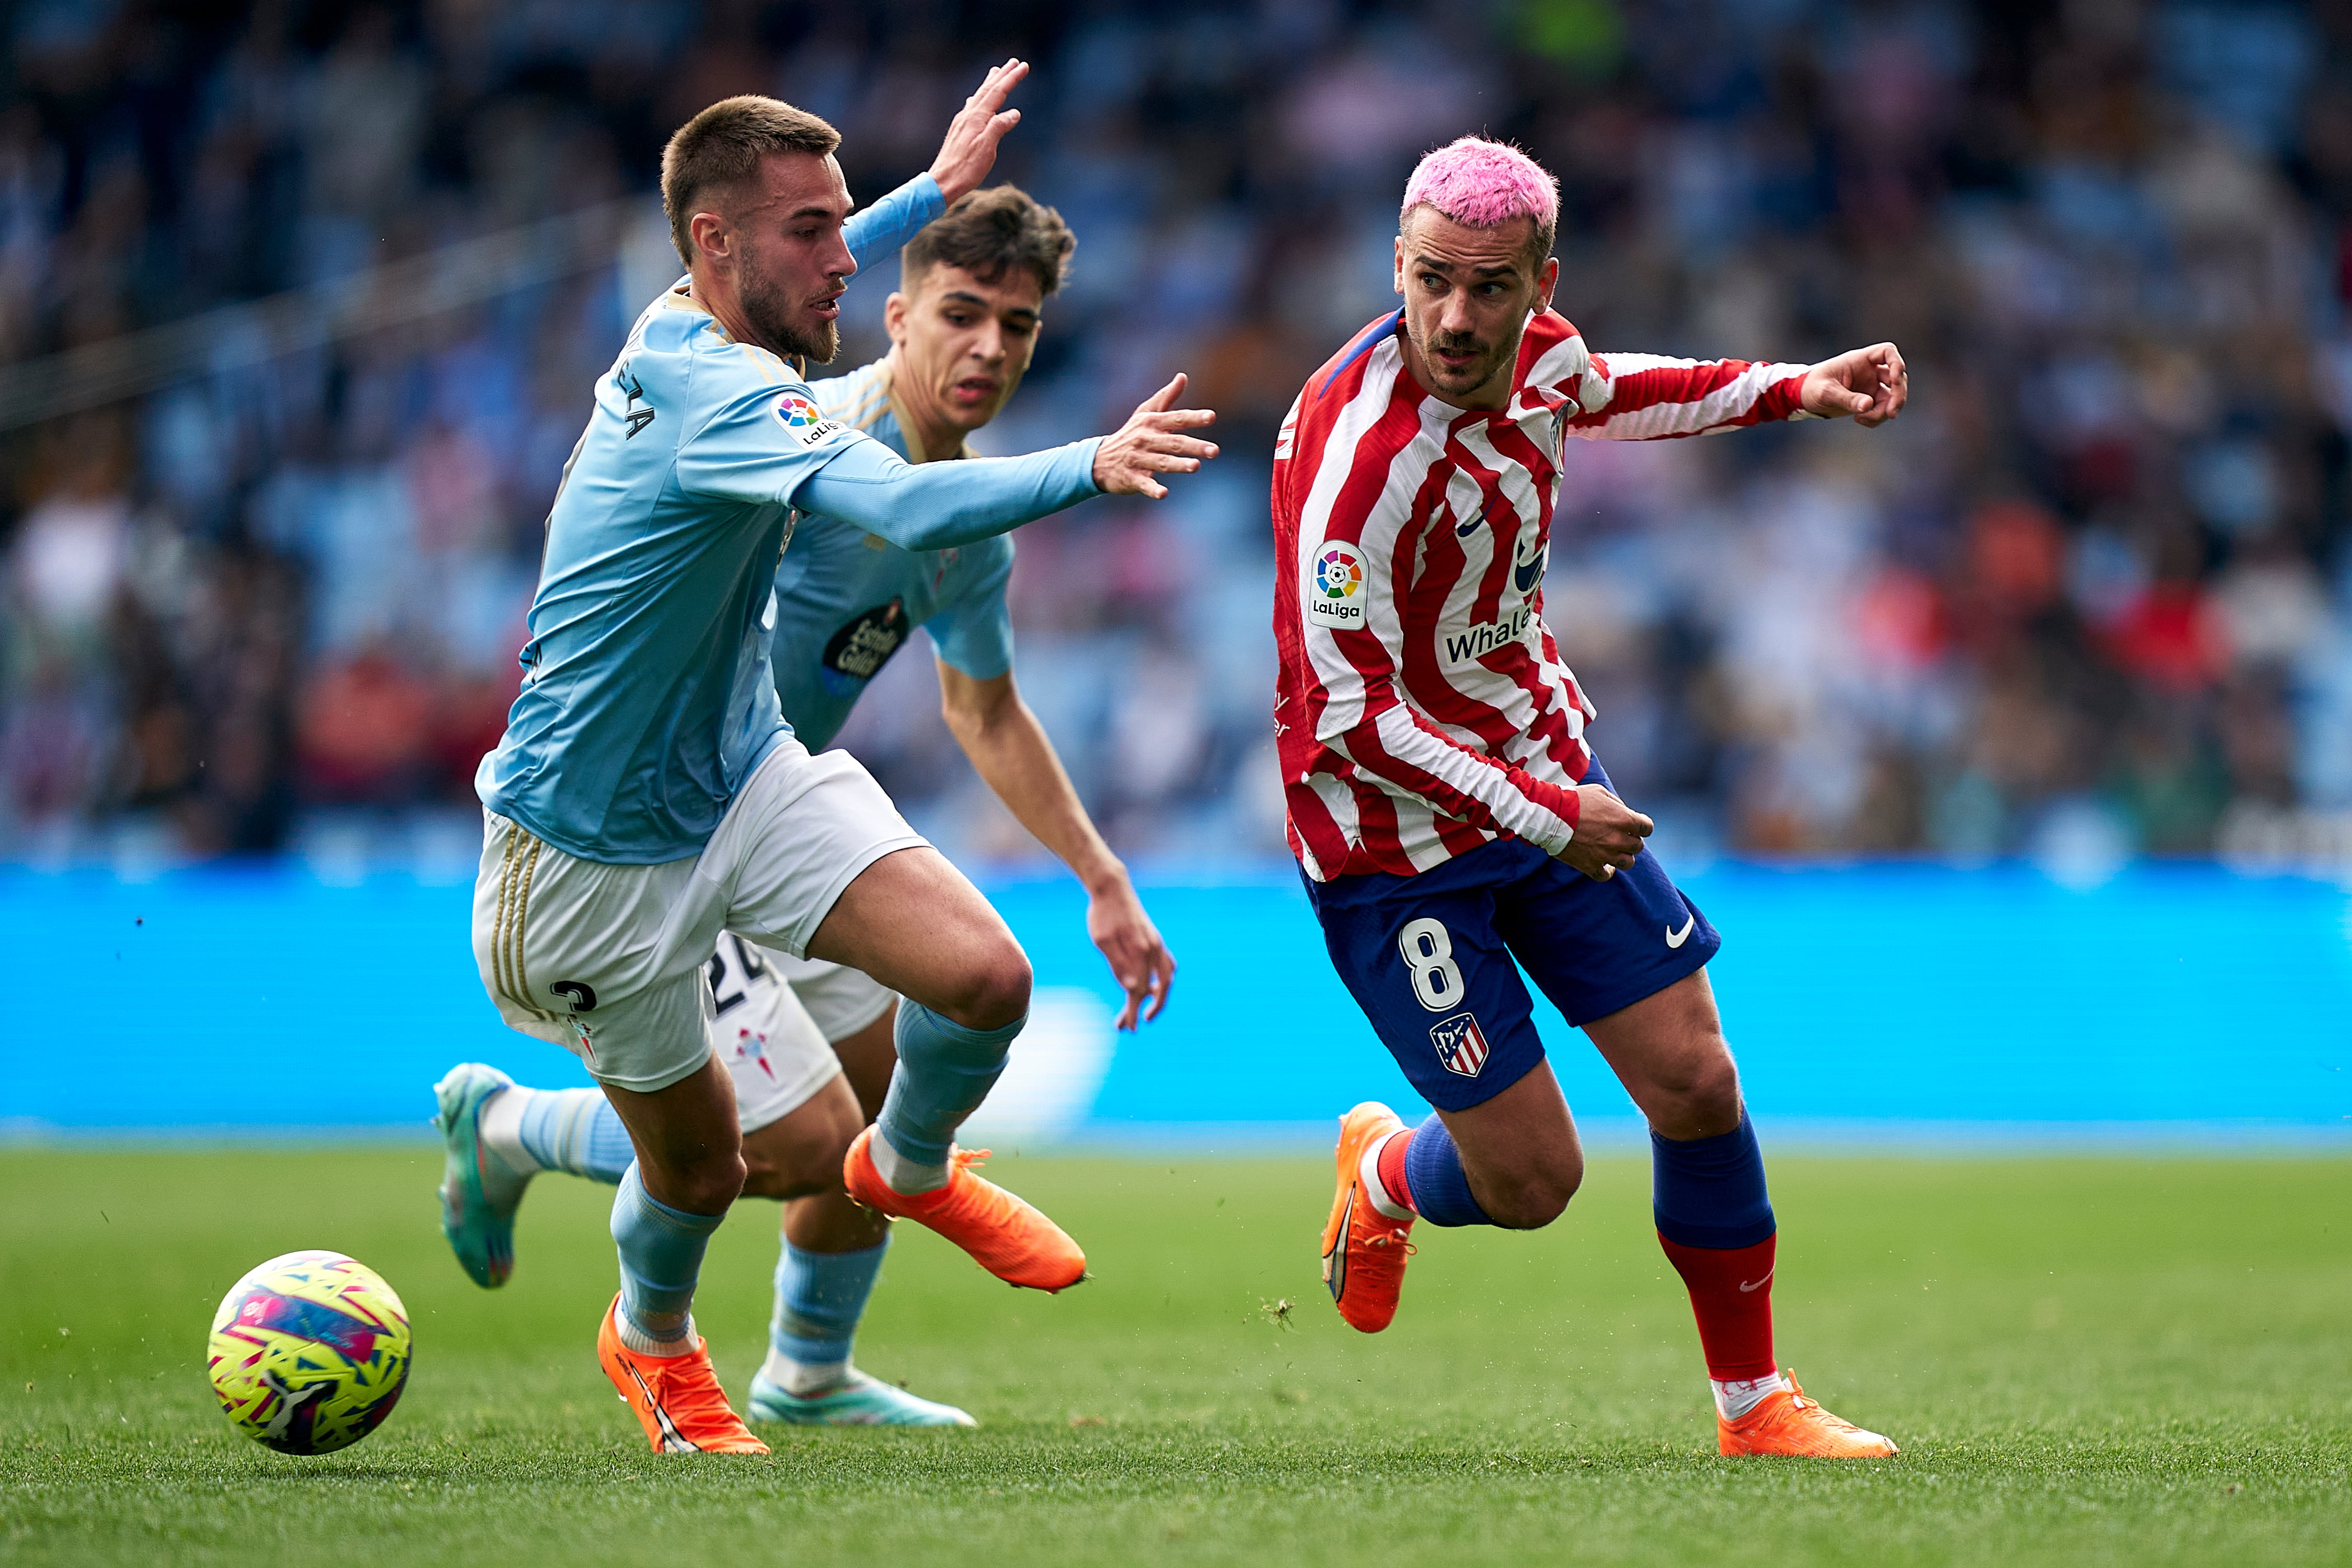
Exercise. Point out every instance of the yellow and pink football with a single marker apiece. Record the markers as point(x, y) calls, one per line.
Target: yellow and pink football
point(310, 1353)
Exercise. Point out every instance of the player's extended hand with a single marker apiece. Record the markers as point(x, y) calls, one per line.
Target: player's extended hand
point(1152, 442)
point(1871, 385)
point(1609, 834)
point(1138, 959)
point(970, 150)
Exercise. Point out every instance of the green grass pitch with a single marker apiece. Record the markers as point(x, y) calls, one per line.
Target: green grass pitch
point(2094, 1360)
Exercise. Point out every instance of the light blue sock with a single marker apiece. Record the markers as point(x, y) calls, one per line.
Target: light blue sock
point(820, 1297)
point(945, 1070)
point(576, 1129)
point(661, 1258)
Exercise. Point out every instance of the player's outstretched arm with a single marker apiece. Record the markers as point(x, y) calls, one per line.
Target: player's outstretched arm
point(1870, 385)
point(970, 150)
point(1609, 834)
point(937, 505)
point(1651, 398)
point(1153, 442)
point(1010, 750)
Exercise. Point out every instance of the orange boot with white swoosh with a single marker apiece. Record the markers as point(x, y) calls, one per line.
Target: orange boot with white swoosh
point(675, 1398)
point(1364, 1250)
point(1789, 1423)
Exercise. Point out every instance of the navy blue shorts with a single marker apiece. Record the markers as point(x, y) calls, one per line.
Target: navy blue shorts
point(1429, 957)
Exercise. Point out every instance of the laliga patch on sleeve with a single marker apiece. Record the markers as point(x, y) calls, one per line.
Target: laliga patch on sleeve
point(1334, 592)
point(805, 420)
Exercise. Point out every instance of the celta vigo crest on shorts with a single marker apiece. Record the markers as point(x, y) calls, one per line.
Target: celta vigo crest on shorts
point(1459, 1043)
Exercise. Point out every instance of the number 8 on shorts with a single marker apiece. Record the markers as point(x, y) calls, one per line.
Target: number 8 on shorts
point(1428, 950)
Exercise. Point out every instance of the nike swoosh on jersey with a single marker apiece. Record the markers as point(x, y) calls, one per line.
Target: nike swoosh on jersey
point(1745, 1288)
point(1676, 938)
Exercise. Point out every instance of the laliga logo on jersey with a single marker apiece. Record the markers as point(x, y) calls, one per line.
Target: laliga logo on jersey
point(1335, 586)
point(805, 419)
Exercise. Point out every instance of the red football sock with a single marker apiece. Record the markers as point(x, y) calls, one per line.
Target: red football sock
point(1731, 1296)
point(1391, 1166)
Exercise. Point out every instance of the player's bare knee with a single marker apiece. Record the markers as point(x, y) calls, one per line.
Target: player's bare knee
point(763, 1177)
point(1534, 1200)
point(793, 1176)
point(1712, 1095)
point(1696, 1095)
point(711, 1184)
point(995, 991)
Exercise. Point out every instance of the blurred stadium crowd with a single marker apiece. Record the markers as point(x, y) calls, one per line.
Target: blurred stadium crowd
point(2092, 596)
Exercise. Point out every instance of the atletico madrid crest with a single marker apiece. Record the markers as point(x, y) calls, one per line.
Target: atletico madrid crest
point(1459, 1045)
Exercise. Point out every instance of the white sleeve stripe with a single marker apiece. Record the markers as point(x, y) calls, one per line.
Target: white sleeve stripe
point(1489, 785)
point(1725, 403)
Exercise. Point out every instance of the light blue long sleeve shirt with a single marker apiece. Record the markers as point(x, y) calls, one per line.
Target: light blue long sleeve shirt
point(647, 695)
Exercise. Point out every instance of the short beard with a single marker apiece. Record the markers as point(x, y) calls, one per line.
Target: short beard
point(1478, 376)
point(772, 319)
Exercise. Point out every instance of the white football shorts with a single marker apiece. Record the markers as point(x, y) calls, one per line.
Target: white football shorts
point(773, 1049)
point(611, 961)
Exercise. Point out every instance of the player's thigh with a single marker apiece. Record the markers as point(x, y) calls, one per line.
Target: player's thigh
point(777, 1058)
point(800, 832)
point(1597, 948)
point(1625, 961)
point(586, 955)
point(1669, 1052)
point(914, 924)
point(1422, 957)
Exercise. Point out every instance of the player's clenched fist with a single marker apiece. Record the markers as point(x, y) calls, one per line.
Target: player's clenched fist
point(1871, 384)
point(1152, 442)
point(1609, 834)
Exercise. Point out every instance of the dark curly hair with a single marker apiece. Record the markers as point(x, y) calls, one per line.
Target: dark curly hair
point(988, 232)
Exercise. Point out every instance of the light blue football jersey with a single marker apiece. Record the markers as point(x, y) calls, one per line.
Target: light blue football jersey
point(847, 599)
point(647, 697)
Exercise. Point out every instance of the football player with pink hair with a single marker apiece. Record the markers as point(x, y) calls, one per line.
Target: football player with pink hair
point(1451, 823)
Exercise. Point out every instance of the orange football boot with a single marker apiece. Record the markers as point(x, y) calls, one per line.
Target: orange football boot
point(1363, 1249)
point(677, 1398)
point(1005, 1235)
point(1789, 1423)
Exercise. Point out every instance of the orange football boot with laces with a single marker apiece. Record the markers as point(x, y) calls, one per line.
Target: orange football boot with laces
point(1363, 1249)
point(1789, 1423)
point(1005, 1235)
point(677, 1398)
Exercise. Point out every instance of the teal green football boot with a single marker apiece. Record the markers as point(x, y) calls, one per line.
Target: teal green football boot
point(862, 1401)
point(480, 1192)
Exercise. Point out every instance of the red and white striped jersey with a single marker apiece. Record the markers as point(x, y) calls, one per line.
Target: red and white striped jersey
point(1421, 708)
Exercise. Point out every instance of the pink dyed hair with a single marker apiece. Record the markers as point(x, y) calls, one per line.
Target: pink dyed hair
point(1484, 183)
